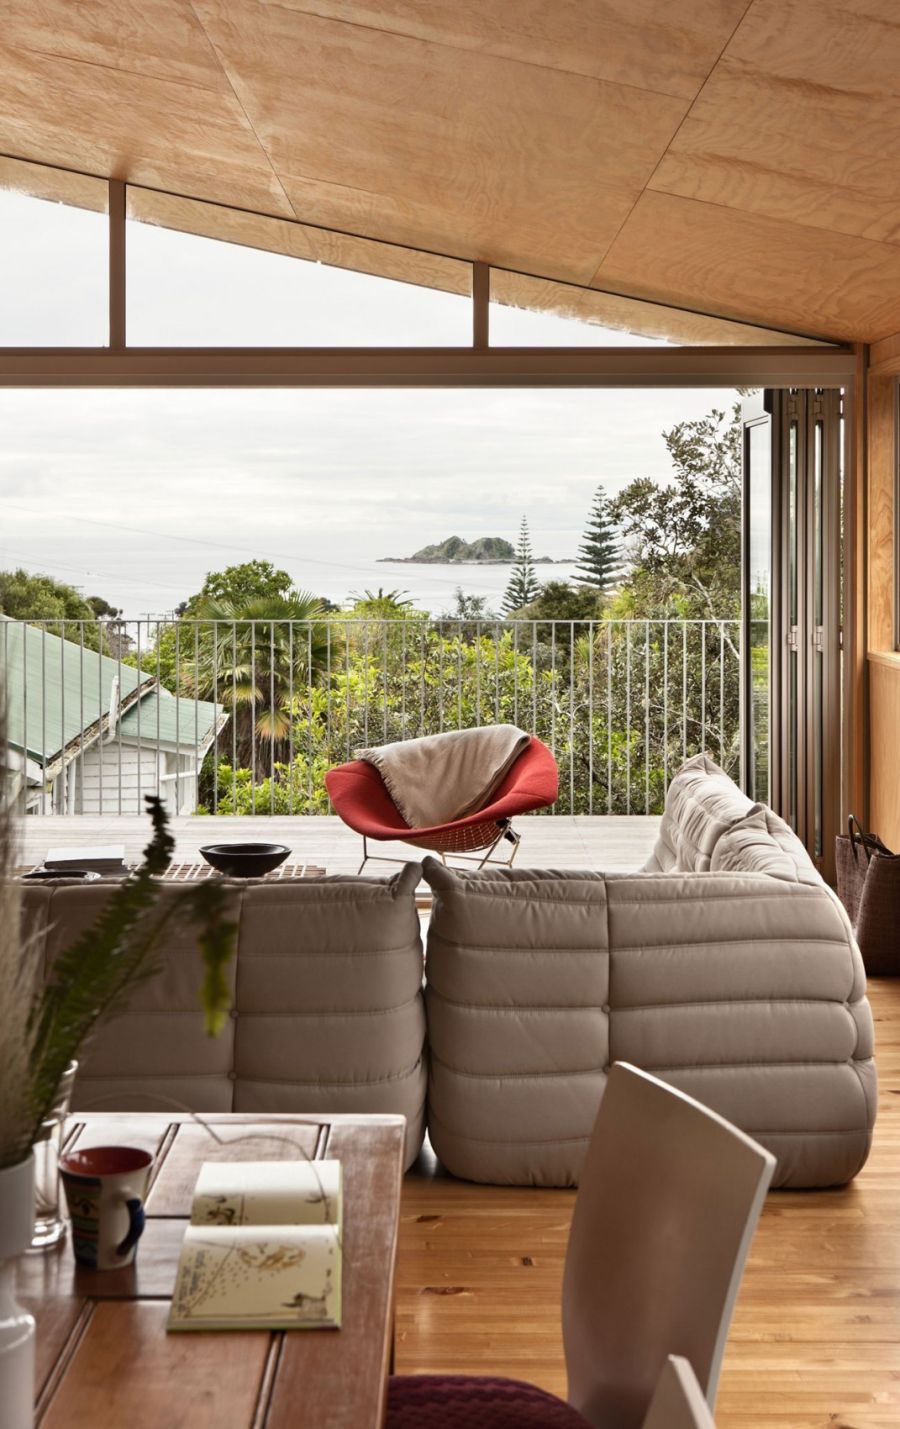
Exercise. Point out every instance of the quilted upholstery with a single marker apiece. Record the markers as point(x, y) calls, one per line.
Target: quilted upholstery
point(328, 1009)
point(743, 988)
point(701, 804)
point(763, 843)
point(429, 1401)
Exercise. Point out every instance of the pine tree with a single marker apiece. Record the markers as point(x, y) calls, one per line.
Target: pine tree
point(523, 582)
point(599, 560)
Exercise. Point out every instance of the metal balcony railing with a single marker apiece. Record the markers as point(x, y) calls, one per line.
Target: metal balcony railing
point(245, 716)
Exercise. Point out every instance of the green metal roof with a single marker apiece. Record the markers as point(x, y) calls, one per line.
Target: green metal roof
point(180, 721)
point(55, 689)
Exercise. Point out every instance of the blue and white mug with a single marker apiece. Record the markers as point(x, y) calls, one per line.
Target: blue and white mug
point(105, 1190)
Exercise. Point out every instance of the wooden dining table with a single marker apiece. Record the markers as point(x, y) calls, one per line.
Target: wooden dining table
point(104, 1357)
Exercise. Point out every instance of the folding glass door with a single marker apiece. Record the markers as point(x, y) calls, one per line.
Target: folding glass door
point(792, 609)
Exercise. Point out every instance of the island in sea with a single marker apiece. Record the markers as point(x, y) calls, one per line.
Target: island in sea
point(486, 551)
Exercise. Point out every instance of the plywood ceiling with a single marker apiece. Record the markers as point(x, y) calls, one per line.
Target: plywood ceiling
point(735, 156)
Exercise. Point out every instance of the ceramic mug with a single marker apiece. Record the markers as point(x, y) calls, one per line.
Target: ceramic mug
point(105, 1189)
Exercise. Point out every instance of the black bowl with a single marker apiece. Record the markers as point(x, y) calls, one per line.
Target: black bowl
point(245, 860)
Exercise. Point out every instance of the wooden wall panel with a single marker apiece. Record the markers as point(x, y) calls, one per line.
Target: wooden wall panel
point(882, 404)
point(884, 661)
point(884, 733)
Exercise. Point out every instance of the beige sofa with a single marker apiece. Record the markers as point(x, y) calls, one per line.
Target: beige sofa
point(726, 966)
point(328, 1010)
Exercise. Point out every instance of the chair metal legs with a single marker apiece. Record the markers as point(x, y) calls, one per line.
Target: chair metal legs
point(506, 834)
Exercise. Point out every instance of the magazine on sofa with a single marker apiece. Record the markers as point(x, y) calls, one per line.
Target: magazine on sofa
point(263, 1248)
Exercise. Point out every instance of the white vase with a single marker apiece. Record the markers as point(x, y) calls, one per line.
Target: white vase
point(16, 1325)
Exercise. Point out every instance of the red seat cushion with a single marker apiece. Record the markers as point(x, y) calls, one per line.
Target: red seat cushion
point(461, 1401)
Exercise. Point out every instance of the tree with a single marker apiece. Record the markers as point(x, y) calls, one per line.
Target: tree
point(381, 604)
point(523, 582)
point(468, 607)
point(557, 600)
point(59, 608)
point(250, 580)
point(599, 561)
point(684, 535)
point(258, 659)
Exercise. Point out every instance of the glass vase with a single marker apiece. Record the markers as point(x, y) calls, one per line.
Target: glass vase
point(17, 1332)
point(49, 1224)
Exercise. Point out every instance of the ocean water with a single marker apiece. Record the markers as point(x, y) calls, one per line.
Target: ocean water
point(432, 588)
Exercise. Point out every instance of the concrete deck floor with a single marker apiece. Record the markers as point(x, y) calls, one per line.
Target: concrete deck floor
point(603, 842)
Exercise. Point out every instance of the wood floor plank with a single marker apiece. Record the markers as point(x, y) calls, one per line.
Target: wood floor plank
point(815, 1342)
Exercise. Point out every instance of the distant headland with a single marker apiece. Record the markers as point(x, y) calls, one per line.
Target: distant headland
point(486, 551)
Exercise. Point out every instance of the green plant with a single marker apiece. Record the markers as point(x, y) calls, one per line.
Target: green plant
point(44, 1023)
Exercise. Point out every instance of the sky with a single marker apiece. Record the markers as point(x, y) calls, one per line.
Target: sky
point(135, 495)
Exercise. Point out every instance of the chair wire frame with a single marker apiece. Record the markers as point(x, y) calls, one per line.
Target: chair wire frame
point(463, 843)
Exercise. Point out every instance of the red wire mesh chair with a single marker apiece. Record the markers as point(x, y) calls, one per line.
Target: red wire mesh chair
point(360, 797)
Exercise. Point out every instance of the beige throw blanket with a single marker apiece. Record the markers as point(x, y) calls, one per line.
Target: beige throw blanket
point(443, 777)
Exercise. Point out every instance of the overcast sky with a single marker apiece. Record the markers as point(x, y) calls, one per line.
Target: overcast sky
point(135, 495)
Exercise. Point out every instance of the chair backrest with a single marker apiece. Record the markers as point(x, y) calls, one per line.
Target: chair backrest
point(668, 1202)
point(678, 1401)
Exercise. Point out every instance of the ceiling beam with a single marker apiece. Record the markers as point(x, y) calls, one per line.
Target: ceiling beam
point(428, 367)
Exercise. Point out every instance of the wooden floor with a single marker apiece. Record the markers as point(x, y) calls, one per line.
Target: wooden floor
point(815, 1343)
point(604, 842)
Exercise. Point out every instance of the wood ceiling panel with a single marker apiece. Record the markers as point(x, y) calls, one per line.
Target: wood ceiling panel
point(800, 120)
point(162, 38)
point(424, 144)
point(669, 48)
point(158, 132)
point(297, 240)
point(617, 314)
point(745, 266)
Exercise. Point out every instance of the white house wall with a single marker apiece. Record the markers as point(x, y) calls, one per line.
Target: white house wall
point(140, 774)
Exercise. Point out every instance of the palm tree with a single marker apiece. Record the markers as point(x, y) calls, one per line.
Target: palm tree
point(257, 658)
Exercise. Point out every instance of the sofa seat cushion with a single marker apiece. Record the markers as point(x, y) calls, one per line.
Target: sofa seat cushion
point(764, 843)
point(702, 804)
point(461, 1401)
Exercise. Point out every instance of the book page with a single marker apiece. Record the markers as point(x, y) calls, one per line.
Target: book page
point(267, 1193)
point(244, 1277)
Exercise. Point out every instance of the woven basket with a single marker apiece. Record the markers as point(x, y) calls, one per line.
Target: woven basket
point(868, 880)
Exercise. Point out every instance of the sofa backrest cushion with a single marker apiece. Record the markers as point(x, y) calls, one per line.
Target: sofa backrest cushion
point(328, 1010)
point(702, 803)
point(155, 1055)
point(517, 990)
point(745, 991)
point(330, 1014)
point(764, 843)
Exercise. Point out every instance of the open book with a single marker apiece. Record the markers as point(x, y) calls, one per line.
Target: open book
point(263, 1249)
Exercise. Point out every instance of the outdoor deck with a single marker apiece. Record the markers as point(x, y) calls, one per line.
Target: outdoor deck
point(604, 842)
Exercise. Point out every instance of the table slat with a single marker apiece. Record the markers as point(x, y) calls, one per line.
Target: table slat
point(340, 1379)
point(127, 1371)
